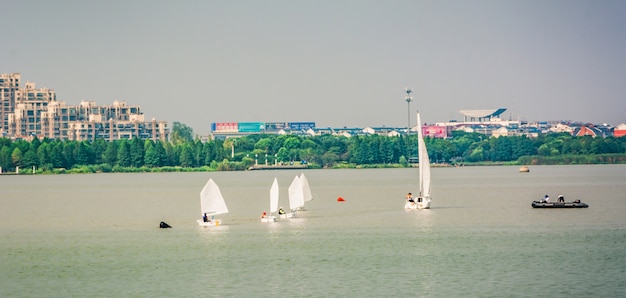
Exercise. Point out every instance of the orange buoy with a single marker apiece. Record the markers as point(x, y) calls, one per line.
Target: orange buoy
point(340, 199)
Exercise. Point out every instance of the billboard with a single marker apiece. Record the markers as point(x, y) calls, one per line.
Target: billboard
point(251, 127)
point(275, 126)
point(224, 126)
point(435, 131)
point(301, 125)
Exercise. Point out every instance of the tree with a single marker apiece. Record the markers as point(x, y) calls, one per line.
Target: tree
point(123, 154)
point(69, 156)
point(136, 152)
point(151, 158)
point(56, 155)
point(5, 157)
point(187, 156)
point(84, 154)
point(16, 157)
point(30, 159)
point(161, 154)
point(98, 147)
point(181, 133)
point(43, 154)
point(110, 154)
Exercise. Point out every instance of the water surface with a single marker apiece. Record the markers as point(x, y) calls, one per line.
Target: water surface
point(97, 235)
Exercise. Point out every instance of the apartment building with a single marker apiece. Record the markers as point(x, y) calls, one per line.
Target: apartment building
point(30, 112)
point(9, 92)
point(29, 105)
point(88, 121)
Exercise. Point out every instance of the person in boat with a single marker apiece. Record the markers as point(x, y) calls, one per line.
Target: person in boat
point(281, 211)
point(264, 215)
point(409, 198)
point(546, 199)
point(577, 201)
point(561, 199)
point(205, 218)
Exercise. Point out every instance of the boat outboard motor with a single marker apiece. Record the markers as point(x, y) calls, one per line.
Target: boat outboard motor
point(164, 225)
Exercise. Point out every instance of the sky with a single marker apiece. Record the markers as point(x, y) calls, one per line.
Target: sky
point(333, 62)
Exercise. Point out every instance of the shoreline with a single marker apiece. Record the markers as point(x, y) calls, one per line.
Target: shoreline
point(87, 170)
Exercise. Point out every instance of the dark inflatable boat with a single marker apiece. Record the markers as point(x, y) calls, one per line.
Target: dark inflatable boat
point(574, 204)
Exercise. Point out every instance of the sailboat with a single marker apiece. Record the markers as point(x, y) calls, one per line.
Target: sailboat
point(423, 199)
point(211, 204)
point(296, 196)
point(306, 189)
point(273, 203)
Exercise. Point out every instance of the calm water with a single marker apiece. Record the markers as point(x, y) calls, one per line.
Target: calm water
point(98, 236)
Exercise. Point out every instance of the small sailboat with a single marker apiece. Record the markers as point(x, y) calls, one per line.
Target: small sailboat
point(211, 204)
point(423, 199)
point(296, 196)
point(273, 203)
point(306, 190)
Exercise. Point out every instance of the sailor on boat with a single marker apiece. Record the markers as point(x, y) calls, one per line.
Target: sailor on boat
point(561, 199)
point(546, 199)
point(409, 198)
point(281, 211)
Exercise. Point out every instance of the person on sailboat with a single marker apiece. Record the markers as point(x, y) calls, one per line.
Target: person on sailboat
point(205, 218)
point(409, 198)
point(281, 211)
point(264, 215)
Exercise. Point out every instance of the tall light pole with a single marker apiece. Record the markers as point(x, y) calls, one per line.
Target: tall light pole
point(408, 103)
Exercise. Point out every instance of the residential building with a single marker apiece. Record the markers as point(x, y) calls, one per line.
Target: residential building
point(9, 92)
point(30, 112)
point(619, 130)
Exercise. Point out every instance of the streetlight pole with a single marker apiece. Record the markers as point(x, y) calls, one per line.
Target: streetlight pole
point(408, 102)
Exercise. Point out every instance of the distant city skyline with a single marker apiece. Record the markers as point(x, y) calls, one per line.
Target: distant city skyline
point(338, 64)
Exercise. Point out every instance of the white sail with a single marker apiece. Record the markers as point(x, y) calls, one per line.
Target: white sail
point(424, 163)
point(211, 200)
point(296, 194)
point(274, 197)
point(306, 189)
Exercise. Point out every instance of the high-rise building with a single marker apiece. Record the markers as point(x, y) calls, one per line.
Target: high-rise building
point(29, 112)
point(9, 89)
point(30, 103)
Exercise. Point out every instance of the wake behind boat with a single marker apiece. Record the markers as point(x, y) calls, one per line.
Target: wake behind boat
point(211, 204)
point(423, 199)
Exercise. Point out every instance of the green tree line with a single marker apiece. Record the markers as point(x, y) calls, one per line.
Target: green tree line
point(318, 151)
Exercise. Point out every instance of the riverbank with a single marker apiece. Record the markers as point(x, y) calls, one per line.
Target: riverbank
point(239, 166)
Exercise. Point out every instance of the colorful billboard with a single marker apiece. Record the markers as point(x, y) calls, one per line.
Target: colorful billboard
point(224, 127)
point(275, 126)
point(251, 127)
point(258, 127)
point(435, 131)
point(301, 125)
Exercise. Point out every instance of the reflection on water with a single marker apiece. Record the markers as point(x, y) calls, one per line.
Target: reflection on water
point(98, 235)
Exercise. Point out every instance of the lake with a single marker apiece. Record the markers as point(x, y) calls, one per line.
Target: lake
point(97, 235)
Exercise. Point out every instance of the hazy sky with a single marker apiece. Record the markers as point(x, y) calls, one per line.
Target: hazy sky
point(337, 63)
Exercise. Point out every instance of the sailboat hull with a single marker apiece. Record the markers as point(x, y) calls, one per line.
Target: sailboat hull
point(268, 219)
point(417, 205)
point(423, 205)
point(210, 223)
point(287, 215)
point(410, 206)
point(414, 206)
